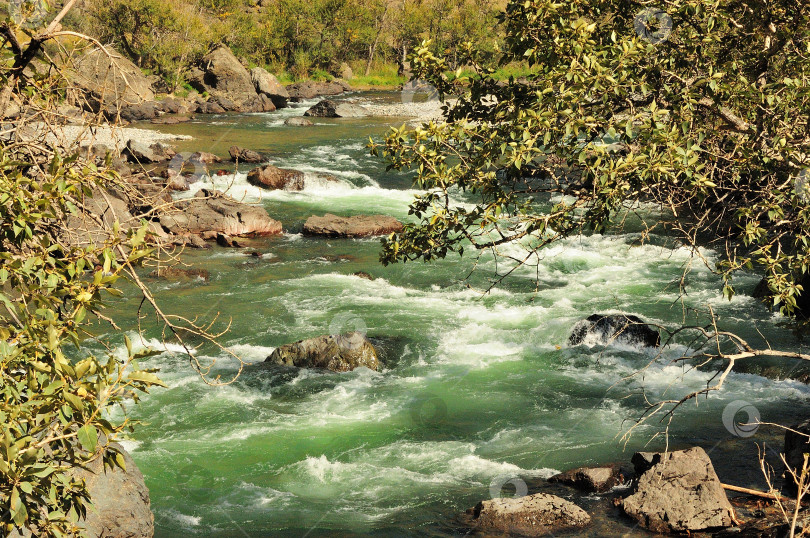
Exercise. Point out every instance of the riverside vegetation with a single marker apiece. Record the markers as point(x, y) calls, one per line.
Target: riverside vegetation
point(701, 115)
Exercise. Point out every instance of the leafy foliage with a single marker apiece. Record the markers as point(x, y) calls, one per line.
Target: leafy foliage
point(55, 398)
point(701, 112)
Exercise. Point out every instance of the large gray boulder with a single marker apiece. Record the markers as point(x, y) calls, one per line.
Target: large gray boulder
point(357, 226)
point(339, 353)
point(211, 212)
point(678, 492)
point(273, 178)
point(223, 77)
point(120, 500)
point(111, 82)
point(331, 109)
point(540, 514)
point(267, 84)
point(606, 329)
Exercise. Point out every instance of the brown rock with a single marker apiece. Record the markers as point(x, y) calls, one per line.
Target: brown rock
point(540, 514)
point(590, 479)
point(224, 77)
point(267, 84)
point(339, 353)
point(678, 492)
point(245, 155)
point(212, 212)
point(273, 178)
point(111, 81)
point(357, 226)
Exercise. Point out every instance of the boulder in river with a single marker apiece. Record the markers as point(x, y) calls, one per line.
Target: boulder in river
point(606, 329)
point(245, 155)
point(678, 492)
point(540, 514)
point(357, 226)
point(273, 178)
point(590, 479)
point(331, 109)
point(338, 353)
point(267, 84)
point(212, 212)
point(298, 121)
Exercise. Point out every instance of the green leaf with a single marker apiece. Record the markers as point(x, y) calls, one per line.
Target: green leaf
point(88, 437)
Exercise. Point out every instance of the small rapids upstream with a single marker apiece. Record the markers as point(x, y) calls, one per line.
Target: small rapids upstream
point(475, 390)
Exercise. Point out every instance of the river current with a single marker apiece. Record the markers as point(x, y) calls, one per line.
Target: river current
point(478, 393)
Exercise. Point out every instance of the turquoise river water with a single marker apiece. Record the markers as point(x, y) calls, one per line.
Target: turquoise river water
point(476, 391)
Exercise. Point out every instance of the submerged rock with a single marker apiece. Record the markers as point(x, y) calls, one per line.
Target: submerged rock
point(179, 273)
point(339, 353)
point(298, 121)
point(590, 479)
point(540, 514)
point(331, 109)
point(611, 328)
point(273, 178)
point(678, 492)
point(357, 226)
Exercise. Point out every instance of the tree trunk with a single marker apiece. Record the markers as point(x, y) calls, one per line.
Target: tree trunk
point(373, 48)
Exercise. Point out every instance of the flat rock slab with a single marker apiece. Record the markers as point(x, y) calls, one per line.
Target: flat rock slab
point(212, 212)
point(357, 226)
point(540, 514)
point(590, 479)
point(678, 492)
point(339, 353)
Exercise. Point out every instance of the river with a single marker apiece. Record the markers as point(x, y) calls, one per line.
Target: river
point(475, 391)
